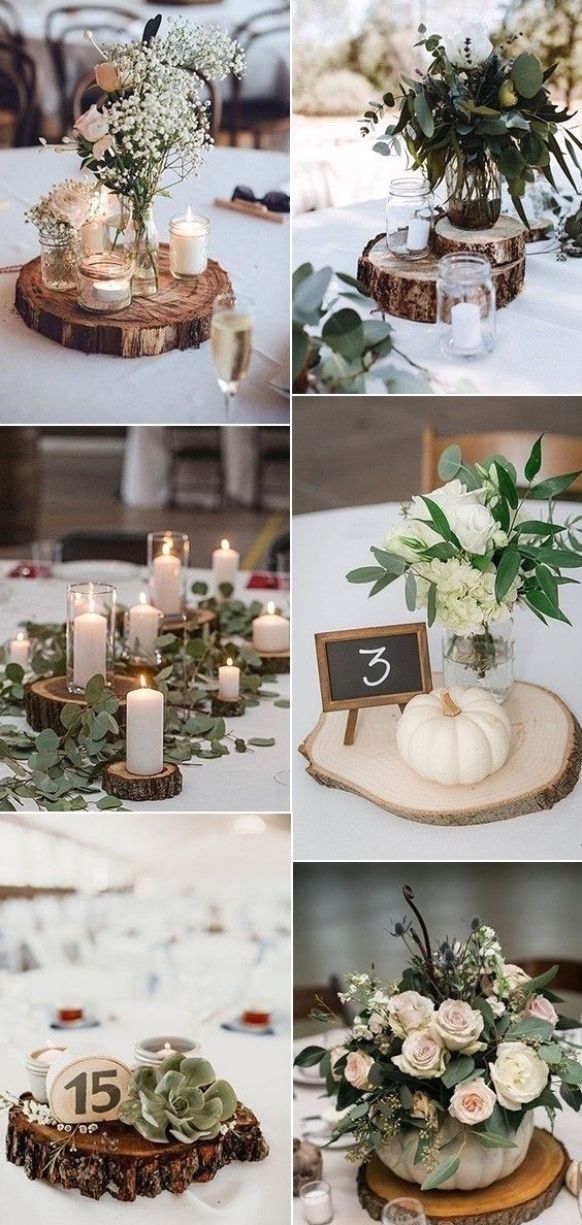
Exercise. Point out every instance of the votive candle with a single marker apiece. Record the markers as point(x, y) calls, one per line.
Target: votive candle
point(20, 650)
point(143, 627)
point(89, 645)
point(271, 632)
point(228, 682)
point(417, 234)
point(225, 563)
point(466, 323)
point(188, 245)
point(316, 1202)
point(145, 731)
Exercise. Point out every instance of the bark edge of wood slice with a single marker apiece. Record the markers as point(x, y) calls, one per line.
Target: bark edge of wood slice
point(44, 700)
point(503, 243)
point(116, 780)
point(177, 317)
point(118, 1161)
point(542, 768)
point(520, 1197)
point(407, 289)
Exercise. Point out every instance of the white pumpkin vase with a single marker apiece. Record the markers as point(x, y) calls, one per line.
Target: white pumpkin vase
point(479, 1166)
point(454, 736)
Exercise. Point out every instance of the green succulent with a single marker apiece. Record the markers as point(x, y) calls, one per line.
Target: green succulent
point(182, 1098)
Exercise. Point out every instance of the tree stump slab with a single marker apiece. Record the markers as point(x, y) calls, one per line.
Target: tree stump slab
point(503, 243)
point(178, 317)
point(520, 1197)
point(275, 663)
point(44, 701)
point(116, 780)
point(193, 622)
point(116, 1160)
point(408, 288)
point(543, 765)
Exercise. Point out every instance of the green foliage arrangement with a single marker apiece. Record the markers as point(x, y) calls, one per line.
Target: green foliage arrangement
point(180, 1100)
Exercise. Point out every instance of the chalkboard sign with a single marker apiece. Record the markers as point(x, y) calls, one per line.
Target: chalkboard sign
point(373, 667)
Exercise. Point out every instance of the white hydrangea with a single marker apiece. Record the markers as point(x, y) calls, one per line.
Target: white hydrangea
point(465, 597)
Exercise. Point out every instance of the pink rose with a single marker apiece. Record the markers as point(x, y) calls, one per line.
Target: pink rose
point(422, 1056)
point(107, 77)
point(92, 125)
point(539, 1006)
point(358, 1065)
point(472, 1102)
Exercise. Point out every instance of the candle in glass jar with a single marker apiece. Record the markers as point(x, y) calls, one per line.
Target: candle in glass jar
point(20, 650)
point(143, 627)
point(188, 245)
point(417, 234)
point(316, 1202)
point(167, 580)
point(89, 645)
point(145, 731)
point(228, 682)
point(271, 632)
point(225, 562)
point(466, 323)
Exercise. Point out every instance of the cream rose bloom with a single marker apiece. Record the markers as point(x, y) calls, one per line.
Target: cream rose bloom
point(421, 1056)
point(408, 1011)
point(72, 202)
point(509, 978)
point(469, 46)
point(107, 77)
point(336, 1053)
point(466, 514)
point(459, 1026)
point(472, 1102)
point(539, 1006)
point(92, 125)
point(377, 1023)
point(358, 1065)
point(518, 1074)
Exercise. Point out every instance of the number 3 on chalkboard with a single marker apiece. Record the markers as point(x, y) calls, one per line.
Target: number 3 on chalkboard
point(378, 660)
point(98, 1085)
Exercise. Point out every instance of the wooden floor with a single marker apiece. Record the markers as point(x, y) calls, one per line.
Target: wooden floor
point(351, 451)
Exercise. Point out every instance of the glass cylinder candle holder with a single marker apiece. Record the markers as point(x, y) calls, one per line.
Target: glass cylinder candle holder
point(168, 557)
point(104, 283)
point(409, 217)
point(316, 1202)
point(188, 246)
point(151, 1052)
point(142, 626)
point(90, 633)
point(58, 264)
point(466, 305)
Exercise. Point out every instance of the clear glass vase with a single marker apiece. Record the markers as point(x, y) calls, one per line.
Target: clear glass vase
point(473, 193)
point(485, 660)
point(146, 254)
point(58, 264)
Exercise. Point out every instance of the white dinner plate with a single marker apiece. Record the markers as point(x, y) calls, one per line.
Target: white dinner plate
point(97, 570)
point(322, 1141)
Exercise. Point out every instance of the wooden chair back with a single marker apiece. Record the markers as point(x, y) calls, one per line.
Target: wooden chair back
point(568, 978)
point(10, 27)
point(85, 94)
point(105, 546)
point(249, 33)
point(307, 998)
point(18, 98)
point(67, 24)
point(561, 453)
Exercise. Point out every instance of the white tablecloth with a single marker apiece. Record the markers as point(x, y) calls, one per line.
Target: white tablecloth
point(342, 1174)
point(241, 782)
point(331, 824)
point(537, 349)
point(41, 382)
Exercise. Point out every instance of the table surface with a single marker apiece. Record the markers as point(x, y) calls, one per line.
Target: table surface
point(42, 382)
point(342, 1174)
point(237, 783)
point(330, 824)
point(537, 335)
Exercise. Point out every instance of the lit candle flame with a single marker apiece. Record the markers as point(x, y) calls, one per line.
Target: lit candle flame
point(167, 547)
point(143, 597)
point(189, 214)
point(224, 544)
point(143, 682)
point(229, 663)
point(20, 637)
point(270, 608)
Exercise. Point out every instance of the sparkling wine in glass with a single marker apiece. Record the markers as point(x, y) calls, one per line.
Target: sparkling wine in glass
point(231, 337)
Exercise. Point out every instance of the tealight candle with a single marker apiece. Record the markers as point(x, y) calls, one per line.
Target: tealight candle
point(417, 234)
point(151, 1052)
point(104, 282)
point(188, 245)
point(20, 650)
point(466, 323)
point(49, 1056)
point(316, 1202)
point(167, 580)
point(89, 645)
point(228, 682)
point(270, 632)
point(225, 563)
point(167, 1050)
point(145, 731)
point(143, 627)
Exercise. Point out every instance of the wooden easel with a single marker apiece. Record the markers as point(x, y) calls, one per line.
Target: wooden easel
point(352, 720)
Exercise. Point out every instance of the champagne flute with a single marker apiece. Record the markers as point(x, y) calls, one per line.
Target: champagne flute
point(405, 1211)
point(231, 338)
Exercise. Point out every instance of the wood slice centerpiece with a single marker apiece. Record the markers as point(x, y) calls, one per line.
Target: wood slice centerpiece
point(408, 288)
point(44, 701)
point(141, 788)
point(192, 623)
point(543, 765)
point(177, 317)
point(117, 1160)
point(520, 1197)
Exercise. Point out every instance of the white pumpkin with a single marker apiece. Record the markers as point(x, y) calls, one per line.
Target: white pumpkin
point(454, 735)
point(479, 1166)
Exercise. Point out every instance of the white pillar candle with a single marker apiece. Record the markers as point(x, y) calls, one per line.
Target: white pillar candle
point(20, 650)
point(188, 245)
point(92, 237)
point(225, 563)
point(167, 580)
point(466, 321)
point(143, 628)
point(229, 682)
point(145, 731)
point(271, 632)
point(89, 646)
point(417, 235)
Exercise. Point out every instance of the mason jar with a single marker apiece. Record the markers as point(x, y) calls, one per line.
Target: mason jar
point(104, 283)
point(409, 217)
point(485, 659)
point(466, 305)
point(58, 264)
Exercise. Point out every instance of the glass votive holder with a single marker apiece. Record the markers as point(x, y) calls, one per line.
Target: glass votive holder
point(90, 633)
point(316, 1202)
point(58, 264)
point(403, 1211)
point(188, 246)
point(466, 305)
point(168, 557)
point(104, 283)
point(151, 1052)
point(142, 625)
point(409, 217)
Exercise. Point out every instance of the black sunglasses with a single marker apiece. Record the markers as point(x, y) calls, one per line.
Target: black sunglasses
point(275, 201)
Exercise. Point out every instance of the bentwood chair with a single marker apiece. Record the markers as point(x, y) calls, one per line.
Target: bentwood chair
point(10, 27)
point(262, 116)
point(561, 453)
point(19, 115)
point(85, 94)
point(65, 27)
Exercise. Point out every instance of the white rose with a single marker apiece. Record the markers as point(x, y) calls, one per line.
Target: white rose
point(422, 1056)
point(518, 1074)
point(336, 1053)
point(92, 125)
point(459, 1026)
point(470, 46)
point(472, 1102)
point(539, 1006)
point(474, 527)
point(72, 203)
point(358, 1065)
point(408, 1011)
point(509, 978)
point(376, 1023)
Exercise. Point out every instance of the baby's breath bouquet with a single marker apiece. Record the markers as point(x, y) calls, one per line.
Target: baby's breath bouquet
point(442, 1071)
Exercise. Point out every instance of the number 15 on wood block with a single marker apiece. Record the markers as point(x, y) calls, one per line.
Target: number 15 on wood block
point(87, 1088)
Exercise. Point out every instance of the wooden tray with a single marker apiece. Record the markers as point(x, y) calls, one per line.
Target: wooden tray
point(520, 1197)
point(178, 317)
point(543, 764)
